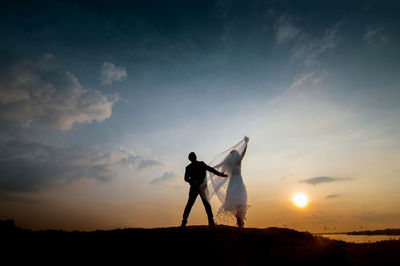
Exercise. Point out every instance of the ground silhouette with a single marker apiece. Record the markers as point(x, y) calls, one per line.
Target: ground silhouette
point(193, 245)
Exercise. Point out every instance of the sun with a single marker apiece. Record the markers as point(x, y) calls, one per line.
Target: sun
point(300, 200)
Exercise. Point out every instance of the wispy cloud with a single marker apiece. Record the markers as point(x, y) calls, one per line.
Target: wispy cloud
point(324, 179)
point(332, 196)
point(111, 73)
point(300, 80)
point(306, 79)
point(285, 30)
point(309, 51)
point(308, 83)
point(164, 178)
point(375, 34)
point(149, 164)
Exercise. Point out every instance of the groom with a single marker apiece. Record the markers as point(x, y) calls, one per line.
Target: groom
point(195, 174)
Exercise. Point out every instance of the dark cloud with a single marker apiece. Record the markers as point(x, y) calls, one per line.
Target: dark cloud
point(30, 167)
point(324, 179)
point(149, 164)
point(332, 196)
point(36, 92)
point(34, 166)
point(10, 197)
point(165, 177)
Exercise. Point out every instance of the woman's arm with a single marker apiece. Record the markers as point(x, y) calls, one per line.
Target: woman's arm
point(246, 139)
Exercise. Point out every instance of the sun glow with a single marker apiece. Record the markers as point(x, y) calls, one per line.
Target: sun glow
point(300, 200)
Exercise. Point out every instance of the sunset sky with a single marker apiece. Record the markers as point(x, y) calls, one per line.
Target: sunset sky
point(101, 102)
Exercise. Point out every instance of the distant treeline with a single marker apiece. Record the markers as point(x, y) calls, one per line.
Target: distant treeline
point(389, 232)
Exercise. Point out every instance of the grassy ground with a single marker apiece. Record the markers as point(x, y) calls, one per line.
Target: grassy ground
point(194, 245)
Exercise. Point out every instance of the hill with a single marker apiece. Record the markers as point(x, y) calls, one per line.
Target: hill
point(194, 245)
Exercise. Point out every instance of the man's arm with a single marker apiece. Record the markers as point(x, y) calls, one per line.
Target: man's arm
point(187, 177)
point(215, 172)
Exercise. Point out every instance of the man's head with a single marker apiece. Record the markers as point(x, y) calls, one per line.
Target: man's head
point(192, 157)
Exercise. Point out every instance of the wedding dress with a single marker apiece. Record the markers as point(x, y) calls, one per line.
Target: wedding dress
point(230, 190)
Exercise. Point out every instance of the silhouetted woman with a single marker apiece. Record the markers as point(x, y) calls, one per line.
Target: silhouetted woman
point(231, 190)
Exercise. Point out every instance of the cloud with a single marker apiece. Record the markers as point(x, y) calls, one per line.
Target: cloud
point(332, 196)
point(149, 164)
point(309, 51)
point(123, 156)
point(375, 34)
point(111, 73)
point(18, 198)
point(285, 31)
point(33, 166)
point(165, 177)
point(324, 179)
point(39, 93)
point(308, 83)
point(303, 79)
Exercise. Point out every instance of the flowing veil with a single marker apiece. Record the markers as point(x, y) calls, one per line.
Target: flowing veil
point(217, 185)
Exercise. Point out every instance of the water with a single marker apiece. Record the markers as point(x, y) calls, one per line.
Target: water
point(360, 238)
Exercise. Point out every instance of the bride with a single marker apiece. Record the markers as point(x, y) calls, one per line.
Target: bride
point(230, 190)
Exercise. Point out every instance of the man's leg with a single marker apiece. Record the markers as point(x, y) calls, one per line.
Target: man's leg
point(207, 206)
point(193, 192)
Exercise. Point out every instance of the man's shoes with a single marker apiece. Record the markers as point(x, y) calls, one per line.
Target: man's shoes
point(184, 222)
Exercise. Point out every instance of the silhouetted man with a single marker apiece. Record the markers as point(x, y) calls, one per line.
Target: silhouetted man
point(195, 174)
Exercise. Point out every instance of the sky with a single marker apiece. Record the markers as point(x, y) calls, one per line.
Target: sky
point(102, 101)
